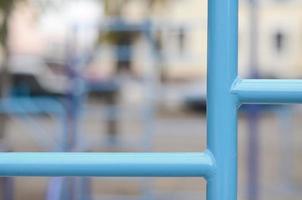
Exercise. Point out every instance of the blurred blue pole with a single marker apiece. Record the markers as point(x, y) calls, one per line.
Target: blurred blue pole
point(253, 111)
point(72, 103)
point(54, 190)
point(285, 114)
point(8, 188)
point(149, 106)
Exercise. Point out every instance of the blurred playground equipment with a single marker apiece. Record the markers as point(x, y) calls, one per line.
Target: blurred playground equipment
point(117, 69)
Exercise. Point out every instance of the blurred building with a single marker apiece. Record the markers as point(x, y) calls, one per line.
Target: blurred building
point(280, 38)
point(182, 38)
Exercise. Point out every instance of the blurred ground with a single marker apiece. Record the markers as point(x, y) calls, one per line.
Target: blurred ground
point(172, 132)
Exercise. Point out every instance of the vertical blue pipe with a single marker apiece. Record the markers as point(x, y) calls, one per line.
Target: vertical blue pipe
point(253, 114)
point(253, 111)
point(285, 114)
point(221, 105)
point(149, 109)
point(8, 188)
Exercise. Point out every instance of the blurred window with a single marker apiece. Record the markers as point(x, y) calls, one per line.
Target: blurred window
point(279, 41)
point(181, 39)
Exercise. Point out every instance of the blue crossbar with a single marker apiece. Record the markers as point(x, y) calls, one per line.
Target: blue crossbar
point(107, 164)
point(27, 105)
point(268, 91)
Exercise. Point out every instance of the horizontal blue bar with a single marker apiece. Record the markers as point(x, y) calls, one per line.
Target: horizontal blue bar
point(107, 164)
point(268, 90)
point(28, 105)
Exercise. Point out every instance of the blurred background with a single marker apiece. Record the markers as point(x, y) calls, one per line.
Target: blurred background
point(130, 76)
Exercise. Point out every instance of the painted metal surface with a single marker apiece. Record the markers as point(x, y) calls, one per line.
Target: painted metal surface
point(107, 164)
point(268, 91)
point(221, 104)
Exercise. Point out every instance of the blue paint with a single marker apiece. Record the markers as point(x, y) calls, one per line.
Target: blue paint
point(221, 104)
point(32, 105)
point(268, 91)
point(107, 164)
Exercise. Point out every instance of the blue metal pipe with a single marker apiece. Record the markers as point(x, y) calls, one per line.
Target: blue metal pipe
point(25, 105)
point(268, 91)
point(253, 150)
point(108, 164)
point(221, 104)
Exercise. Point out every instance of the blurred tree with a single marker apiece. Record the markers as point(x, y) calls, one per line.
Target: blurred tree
point(114, 8)
point(154, 3)
point(6, 8)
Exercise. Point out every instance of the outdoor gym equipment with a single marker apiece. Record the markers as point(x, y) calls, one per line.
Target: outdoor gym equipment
point(218, 164)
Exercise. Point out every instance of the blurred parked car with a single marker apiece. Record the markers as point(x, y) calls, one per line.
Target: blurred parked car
point(195, 96)
point(191, 96)
point(30, 74)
